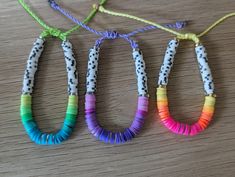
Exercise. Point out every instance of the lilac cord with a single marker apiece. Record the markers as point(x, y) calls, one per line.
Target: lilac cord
point(113, 34)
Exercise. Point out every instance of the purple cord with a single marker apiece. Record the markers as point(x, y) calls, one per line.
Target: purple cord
point(113, 34)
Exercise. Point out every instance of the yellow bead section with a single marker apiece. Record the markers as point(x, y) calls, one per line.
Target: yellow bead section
point(209, 101)
point(209, 105)
point(72, 107)
point(161, 94)
point(25, 106)
point(26, 100)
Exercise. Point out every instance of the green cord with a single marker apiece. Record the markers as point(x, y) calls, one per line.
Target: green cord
point(55, 32)
point(102, 2)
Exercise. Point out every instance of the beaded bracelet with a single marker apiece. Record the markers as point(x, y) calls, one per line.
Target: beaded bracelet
point(90, 98)
point(29, 123)
point(162, 101)
point(92, 71)
point(26, 99)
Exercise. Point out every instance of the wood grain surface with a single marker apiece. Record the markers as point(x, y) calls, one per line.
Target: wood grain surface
point(155, 152)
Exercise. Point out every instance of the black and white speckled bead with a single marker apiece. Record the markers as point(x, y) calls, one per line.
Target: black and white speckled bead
point(168, 62)
point(202, 63)
point(204, 69)
point(92, 69)
point(32, 65)
point(70, 67)
point(140, 73)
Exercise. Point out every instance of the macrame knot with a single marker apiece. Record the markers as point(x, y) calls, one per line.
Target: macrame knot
point(111, 34)
point(189, 36)
point(55, 32)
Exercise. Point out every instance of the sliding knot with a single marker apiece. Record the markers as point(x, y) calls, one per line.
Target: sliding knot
point(189, 36)
point(55, 33)
point(111, 34)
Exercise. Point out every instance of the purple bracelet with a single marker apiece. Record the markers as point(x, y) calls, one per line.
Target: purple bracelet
point(90, 99)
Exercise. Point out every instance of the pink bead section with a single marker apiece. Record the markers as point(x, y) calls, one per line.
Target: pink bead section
point(181, 128)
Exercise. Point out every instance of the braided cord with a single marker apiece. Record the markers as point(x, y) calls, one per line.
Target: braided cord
point(55, 6)
point(179, 35)
point(32, 14)
point(222, 19)
point(51, 31)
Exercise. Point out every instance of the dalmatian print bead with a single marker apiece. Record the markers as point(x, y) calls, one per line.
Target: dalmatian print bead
point(204, 69)
point(140, 73)
point(92, 69)
point(32, 65)
point(70, 67)
point(168, 62)
point(202, 63)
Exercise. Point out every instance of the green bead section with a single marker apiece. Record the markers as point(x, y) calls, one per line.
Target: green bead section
point(25, 108)
point(26, 117)
point(72, 109)
point(71, 118)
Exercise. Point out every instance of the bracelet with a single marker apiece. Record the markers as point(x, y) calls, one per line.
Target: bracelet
point(29, 123)
point(162, 100)
point(90, 98)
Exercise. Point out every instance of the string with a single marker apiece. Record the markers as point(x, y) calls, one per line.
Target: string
point(51, 31)
point(222, 19)
point(179, 35)
point(110, 34)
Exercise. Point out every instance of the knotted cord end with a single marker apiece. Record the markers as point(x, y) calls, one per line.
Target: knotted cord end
point(53, 4)
point(180, 24)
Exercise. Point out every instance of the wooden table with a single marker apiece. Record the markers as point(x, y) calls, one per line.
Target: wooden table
point(155, 152)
